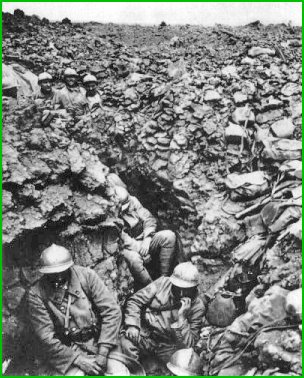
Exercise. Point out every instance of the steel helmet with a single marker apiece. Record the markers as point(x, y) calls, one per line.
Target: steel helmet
point(185, 362)
point(89, 79)
point(185, 275)
point(123, 196)
point(70, 72)
point(44, 76)
point(118, 364)
point(55, 259)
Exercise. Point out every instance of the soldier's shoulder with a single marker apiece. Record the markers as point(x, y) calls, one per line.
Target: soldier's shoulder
point(36, 287)
point(85, 271)
point(82, 269)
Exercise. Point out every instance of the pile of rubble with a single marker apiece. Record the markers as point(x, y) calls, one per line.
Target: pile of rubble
point(204, 127)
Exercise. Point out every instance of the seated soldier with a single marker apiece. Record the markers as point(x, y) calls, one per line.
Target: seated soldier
point(74, 316)
point(142, 243)
point(164, 316)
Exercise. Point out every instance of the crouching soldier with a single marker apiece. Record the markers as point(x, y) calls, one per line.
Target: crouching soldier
point(72, 313)
point(142, 243)
point(164, 316)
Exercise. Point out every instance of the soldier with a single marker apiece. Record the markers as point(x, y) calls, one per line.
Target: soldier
point(72, 313)
point(71, 96)
point(93, 96)
point(164, 316)
point(141, 242)
point(46, 92)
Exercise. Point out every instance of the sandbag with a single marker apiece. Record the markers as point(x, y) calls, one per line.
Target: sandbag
point(292, 168)
point(282, 149)
point(283, 128)
point(249, 251)
point(269, 308)
point(247, 185)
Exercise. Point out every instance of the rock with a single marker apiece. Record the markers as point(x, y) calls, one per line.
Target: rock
point(242, 115)
point(181, 140)
point(296, 110)
point(249, 61)
point(230, 71)
point(239, 98)
point(270, 104)
point(256, 51)
point(283, 128)
point(235, 133)
point(159, 164)
point(269, 116)
point(211, 95)
point(91, 209)
point(290, 89)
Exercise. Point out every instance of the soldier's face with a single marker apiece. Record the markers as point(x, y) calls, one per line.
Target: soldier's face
point(46, 86)
point(71, 81)
point(58, 279)
point(180, 292)
point(91, 89)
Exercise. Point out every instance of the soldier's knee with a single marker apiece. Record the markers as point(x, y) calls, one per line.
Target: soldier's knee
point(168, 236)
point(132, 258)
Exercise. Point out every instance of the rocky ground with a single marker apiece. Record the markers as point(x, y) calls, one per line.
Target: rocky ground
point(188, 111)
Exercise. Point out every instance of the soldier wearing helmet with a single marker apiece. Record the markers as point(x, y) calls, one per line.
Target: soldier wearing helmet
point(46, 92)
point(164, 316)
point(142, 244)
point(93, 96)
point(71, 97)
point(73, 315)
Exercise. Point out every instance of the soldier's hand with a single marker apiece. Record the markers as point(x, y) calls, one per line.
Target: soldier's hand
point(87, 364)
point(145, 245)
point(185, 308)
point(132, 333)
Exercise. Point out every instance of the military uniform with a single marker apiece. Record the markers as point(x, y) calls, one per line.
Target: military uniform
point(139, 224)
point(154, 310)
point(94, 102)
point(67, 98)
point(93, 319)
point(39, 97)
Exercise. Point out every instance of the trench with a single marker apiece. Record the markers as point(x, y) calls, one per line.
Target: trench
point(163, 131)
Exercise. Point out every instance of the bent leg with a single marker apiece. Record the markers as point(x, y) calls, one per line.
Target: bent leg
point(163, 245)
point(165, 351)
point(136, 265)
point(144, 346)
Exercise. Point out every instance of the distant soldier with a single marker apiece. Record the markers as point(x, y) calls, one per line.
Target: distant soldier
point(71, 97)
point(93, 96)
point(74, 316)
point(46, 92)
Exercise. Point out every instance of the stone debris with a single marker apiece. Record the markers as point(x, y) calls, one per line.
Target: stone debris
point(204, 127)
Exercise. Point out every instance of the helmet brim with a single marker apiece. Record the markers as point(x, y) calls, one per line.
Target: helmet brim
point(56, 268)
point(179, 371)
point(182, 283)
